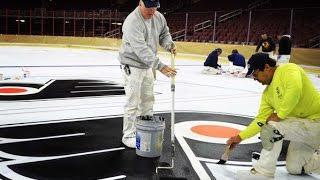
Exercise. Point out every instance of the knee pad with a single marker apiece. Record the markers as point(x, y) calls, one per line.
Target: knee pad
point(295, 169)
point(269, 135)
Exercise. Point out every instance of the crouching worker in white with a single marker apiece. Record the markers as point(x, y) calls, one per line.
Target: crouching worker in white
point(211, 65)
point(290, 110)
point(143, 30)
point(237, 62)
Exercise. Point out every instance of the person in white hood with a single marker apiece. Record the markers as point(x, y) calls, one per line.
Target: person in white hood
point(284, 49)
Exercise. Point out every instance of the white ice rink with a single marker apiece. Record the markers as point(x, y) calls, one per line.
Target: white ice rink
point(194, 91)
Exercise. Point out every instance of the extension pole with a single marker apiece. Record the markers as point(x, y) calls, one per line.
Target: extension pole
point(172, 117)
point(173, 89)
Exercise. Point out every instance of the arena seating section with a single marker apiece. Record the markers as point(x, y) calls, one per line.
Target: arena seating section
point(305, 25)
point(98, 22)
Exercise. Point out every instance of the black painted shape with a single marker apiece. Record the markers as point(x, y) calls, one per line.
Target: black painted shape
point(104, 134)
point(100, 134)
point(3, 177)
point(94, 166)
point(67, 89)
point(37, 86)
point(4, 159)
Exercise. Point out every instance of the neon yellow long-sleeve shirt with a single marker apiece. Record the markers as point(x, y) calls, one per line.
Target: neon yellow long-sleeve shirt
point(290, 94)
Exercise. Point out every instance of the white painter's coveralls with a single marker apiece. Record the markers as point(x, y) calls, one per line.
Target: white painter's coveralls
point(304, 137)
point(138, 51)
point(140, 98)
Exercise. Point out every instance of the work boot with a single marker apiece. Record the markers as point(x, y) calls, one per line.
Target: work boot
point(313, 166)
point(130, 142)
point(251, 175)
point(317, 158)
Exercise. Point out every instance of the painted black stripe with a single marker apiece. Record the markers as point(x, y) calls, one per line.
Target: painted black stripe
point(56, 99)
point(64, 89)
point(100, 134)
point(94, 166)
point(57, 121)
point(37, 86)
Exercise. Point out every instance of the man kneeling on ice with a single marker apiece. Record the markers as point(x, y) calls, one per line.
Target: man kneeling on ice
point(289, 110)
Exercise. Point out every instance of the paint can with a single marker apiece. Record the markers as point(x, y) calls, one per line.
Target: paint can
point(149, 136)
point(26, 73)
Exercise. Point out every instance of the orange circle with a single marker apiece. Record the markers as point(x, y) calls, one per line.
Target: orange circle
point(12, 90)
point(215, 131)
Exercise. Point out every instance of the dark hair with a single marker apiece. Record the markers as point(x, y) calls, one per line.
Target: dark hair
point(271, 62)
point(235, 51)
point(218, 50)
point(258, 61)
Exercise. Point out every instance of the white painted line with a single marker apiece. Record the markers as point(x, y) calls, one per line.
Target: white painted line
point(9, 140)
point(73, 92)
point(116, 177)
point(46, 84)
point(195, 163)
point(27, 159)
point(227, 163)
point(240, 163)
point(208, 112)
point(96, 86)
point(59, 121)
point(7, 172)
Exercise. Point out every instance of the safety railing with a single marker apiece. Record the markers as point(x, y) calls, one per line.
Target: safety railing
point(314, 42)
point(112, 34)
point(178, 34)
point(230, 15)
point(257, 4)
point(203, 25)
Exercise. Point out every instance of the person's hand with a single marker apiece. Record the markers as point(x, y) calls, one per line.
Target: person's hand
point(273, 117)
point(242, 75)
point(278, 56)
point(173, 49)
point(168, 71)
point(233, 141)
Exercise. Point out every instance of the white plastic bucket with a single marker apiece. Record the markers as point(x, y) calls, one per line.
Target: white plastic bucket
point(149, 136)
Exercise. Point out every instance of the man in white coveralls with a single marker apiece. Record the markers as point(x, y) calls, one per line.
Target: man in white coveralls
point(143, 30)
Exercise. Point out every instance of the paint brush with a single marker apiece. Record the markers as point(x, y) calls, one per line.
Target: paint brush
point(225, 156)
